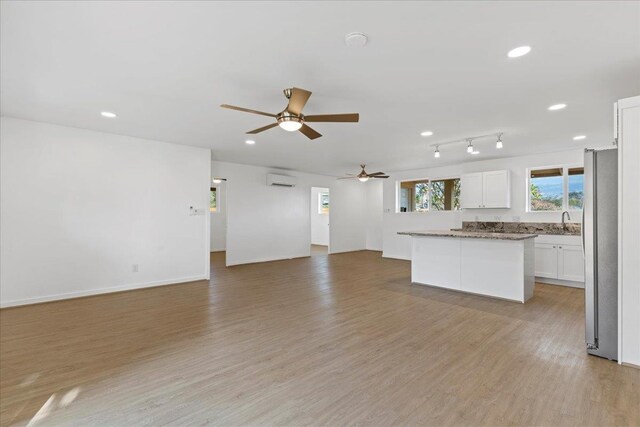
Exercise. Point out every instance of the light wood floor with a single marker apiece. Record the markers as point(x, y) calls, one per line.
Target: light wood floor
point(333, 340)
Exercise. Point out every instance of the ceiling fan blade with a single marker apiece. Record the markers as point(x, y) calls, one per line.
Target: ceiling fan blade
point(263, 128)
point(379, 176)
point(348, 177)
point(376, 173)
point(246, 110)
point(297, 100)
point(344, 118)
point(309, 133)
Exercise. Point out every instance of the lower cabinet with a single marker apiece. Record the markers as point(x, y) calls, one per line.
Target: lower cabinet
point(560, 262)
point(570, 263)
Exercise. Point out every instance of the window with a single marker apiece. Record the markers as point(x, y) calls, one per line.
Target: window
point(576, 188)
point(213, 200)
point(424, 195)
point(323, 203)
point(556, 189)
point(445, 195)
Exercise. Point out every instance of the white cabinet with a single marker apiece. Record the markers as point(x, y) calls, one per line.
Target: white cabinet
point(560, 259)
point(570, 263)
point(471, 190)
point(546, 260)
point(490, 189)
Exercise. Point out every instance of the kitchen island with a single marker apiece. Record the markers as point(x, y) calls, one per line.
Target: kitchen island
point(499, 265)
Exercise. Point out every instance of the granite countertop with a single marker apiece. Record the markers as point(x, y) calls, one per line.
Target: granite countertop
point(554, 228)
point(469, 234)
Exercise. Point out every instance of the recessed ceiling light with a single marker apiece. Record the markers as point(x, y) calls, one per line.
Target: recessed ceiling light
point(579, 137)
point(356, 39)
point(519, 51)
point(108, 114)
point(426, 133)
point(556, 107)
point(250, 141)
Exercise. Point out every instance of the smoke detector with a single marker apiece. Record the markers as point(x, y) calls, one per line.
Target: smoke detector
point(356, 39)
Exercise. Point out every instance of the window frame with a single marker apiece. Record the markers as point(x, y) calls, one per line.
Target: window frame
point(429, 181)
point(565, 187)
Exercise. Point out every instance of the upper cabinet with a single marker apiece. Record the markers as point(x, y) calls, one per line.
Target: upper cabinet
point(488, 190)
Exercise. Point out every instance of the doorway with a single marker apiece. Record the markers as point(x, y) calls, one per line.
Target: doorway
point(218, 213)
point(320, 226)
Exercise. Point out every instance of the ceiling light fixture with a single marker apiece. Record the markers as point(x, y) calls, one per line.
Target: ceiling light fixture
point(218, 180)
point(108, 114)
point(356, 39)
point(579, 137)
point(469, 140)
point(556, 107)
point(289, 122)
point(363, 178)
point(250, 141)
point(519, 51)
point(426, 133)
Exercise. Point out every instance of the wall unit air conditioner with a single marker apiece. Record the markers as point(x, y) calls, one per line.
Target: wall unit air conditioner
point(281, 180)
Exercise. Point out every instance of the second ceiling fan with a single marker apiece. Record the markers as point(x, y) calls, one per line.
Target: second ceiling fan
point(291, 118)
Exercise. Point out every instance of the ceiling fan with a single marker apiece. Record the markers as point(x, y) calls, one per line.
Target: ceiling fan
point(291, 118)
point(364, 176)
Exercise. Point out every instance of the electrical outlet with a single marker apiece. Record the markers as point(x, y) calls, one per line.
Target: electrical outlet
point(134, 268)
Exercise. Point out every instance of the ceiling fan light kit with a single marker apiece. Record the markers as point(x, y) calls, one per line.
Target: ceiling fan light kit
point(363, 176)
point(291, 118)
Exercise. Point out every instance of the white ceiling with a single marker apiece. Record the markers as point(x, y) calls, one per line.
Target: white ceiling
point(165, 67)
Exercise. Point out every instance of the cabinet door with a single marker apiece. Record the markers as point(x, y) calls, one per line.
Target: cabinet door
point(496, 189)
point(471, 190)
point(546, 260)
point(570, 263)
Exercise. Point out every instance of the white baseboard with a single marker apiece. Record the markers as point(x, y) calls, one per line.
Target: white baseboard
point(559, 282)
point(91, 292)
point(267, 259)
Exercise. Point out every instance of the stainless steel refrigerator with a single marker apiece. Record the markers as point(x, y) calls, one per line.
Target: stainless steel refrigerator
point(600, 246)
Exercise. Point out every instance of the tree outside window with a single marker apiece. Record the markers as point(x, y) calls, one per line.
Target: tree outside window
point(213, 200)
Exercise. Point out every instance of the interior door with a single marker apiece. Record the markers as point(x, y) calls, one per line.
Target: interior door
point(546, 260)
point(471, 190)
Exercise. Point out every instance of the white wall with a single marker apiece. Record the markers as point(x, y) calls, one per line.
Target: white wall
point(395, 246)
point(269, 223)
point(319, 221)
point(629, 230)
point(374, 214)
point(80, 208)
point(347, 216)
point(219, 220)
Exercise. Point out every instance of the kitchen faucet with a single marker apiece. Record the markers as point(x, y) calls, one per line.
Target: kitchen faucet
point(568, 217)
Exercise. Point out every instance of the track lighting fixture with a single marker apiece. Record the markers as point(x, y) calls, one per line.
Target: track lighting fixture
point(469, 140)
